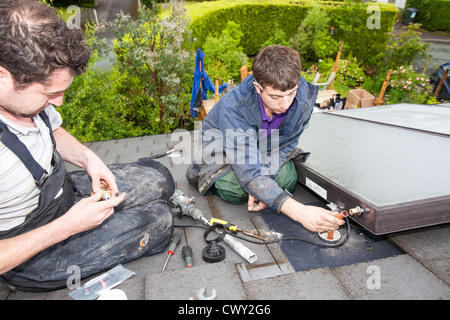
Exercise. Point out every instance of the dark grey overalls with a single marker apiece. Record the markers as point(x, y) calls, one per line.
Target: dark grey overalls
point(141, 225)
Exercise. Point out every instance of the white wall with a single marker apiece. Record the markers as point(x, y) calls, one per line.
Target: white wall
point(398, 3)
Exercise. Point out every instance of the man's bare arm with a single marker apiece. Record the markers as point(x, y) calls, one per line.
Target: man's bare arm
point(313, 218)
point(86, 214)
point(73, 151)
point(15, 250)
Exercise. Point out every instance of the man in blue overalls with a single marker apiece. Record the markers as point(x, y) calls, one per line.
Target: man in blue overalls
point(48, 219)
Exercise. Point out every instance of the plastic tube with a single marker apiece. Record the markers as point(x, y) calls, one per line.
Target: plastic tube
point(242, 250)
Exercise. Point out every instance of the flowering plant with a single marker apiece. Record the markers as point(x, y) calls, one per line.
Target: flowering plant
point(405, 85)
point(350, 72)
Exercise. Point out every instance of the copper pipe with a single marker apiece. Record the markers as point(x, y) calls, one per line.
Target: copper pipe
point(339, 215)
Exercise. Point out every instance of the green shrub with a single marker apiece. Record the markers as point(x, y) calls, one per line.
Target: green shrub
point(224, 57)
point(98, 105)
point(278, 38)
point(350, 73)
point(351, 26)
point(405, 85)
point(404, 47)
point(147, 88)
point(433, 14)
point(151, 3)
point(374, 82)
point(156, 51)
point(66, 3)
point(260, 21)
point(313, 40)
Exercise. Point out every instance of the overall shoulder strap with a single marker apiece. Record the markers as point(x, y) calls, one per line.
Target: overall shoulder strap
point(46, 120)
point(13, 143)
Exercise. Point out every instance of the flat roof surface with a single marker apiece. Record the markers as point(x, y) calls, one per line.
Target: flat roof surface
point(421, 272)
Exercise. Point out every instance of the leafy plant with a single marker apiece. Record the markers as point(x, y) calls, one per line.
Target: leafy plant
point(350, 73)
point(145, 91)
point(97, 104)
point(433, 14)
point(366, 44)
point(405, 85)
point(279, 37)
point(405, 47)
point(224, 57)
point(259, 19)
point(155, 50)
point(313, 40)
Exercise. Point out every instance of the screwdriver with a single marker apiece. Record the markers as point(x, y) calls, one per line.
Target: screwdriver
point(235, 228)
point(174, 242)
point(187, 255)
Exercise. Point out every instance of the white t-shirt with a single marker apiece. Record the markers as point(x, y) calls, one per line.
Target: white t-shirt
point(19, 194)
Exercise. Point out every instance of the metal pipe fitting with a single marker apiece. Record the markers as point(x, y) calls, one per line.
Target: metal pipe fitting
point(357, 211)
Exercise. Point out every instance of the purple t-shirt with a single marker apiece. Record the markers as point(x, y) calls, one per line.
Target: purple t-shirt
point(269, 125)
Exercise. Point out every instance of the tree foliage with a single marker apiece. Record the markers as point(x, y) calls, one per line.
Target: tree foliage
point(313, 40)
point(146, 90)
point(223, 55)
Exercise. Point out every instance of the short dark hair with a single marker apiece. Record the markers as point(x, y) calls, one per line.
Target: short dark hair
point(35, 42)
point(278, 67)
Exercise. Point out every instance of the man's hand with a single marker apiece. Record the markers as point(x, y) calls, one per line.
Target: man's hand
point(313, 218)
point(99, 174)
point(85, 215)
point(252, 206)
point(90, 212)
point(74, 152)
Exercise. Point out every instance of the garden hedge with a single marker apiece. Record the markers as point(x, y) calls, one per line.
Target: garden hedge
point(66, 3)
point(433, 14)
point(259, 21)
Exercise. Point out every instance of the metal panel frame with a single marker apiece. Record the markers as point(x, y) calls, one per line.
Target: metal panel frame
point(380, 219)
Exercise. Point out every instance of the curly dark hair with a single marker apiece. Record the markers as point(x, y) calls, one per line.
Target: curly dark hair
point(35, 42)
point(278, 67)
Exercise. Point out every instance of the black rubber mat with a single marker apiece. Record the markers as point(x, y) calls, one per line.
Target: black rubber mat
point(361, 246)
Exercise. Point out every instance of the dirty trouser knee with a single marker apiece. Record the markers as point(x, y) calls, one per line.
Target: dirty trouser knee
point(229, 189)
point(140, 226)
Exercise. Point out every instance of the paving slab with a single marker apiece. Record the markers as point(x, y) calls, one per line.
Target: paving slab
point(429, 246)
point(275, 249)
point(395, 278)
point(183, 284)
point(316, 284)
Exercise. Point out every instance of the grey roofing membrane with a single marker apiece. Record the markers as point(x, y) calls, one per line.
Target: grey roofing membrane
point(421, 271)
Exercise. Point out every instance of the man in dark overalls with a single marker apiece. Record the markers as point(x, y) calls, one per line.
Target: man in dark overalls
point(48, 219)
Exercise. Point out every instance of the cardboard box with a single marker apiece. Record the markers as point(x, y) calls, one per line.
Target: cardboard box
point(324, 96)
point(359, 98)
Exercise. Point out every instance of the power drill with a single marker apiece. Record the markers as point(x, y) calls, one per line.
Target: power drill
point(185, 206)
